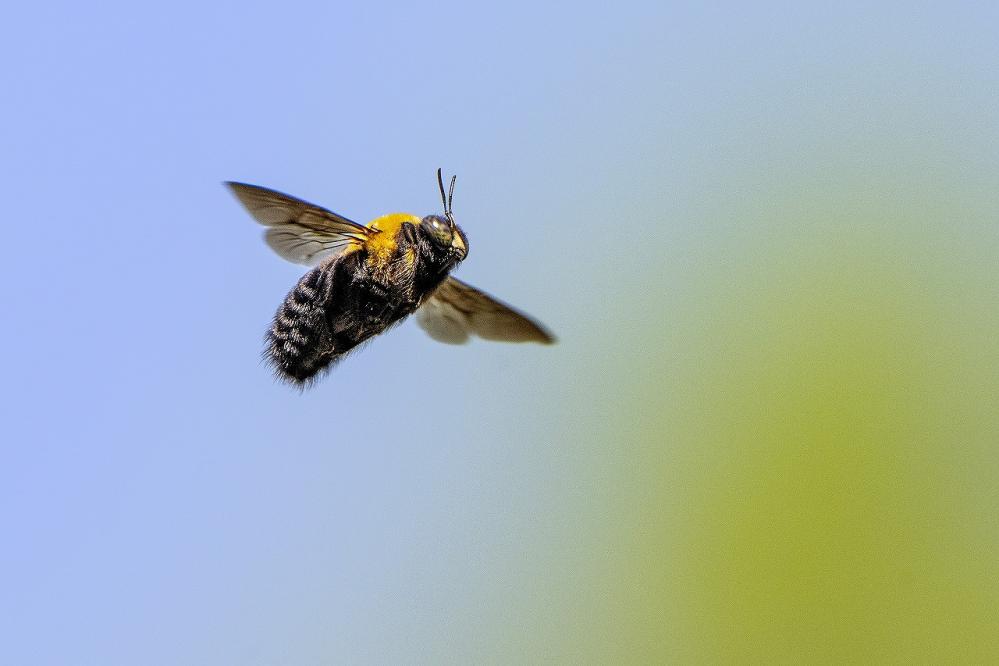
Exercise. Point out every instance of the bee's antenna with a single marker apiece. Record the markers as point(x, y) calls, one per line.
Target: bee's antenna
point(450, 196)
point(440, 183)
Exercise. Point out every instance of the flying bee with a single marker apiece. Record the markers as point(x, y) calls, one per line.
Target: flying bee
point(366, 278)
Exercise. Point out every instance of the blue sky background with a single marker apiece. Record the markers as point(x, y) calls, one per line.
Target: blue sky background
point(621, 171)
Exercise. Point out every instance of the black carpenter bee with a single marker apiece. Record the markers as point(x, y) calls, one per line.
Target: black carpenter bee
point(368, 278)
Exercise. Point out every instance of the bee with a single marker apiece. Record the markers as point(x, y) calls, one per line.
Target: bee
point(367, 278)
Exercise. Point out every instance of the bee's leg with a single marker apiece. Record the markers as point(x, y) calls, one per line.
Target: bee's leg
point(364, 310)
point(409, 232)
point(376, 303)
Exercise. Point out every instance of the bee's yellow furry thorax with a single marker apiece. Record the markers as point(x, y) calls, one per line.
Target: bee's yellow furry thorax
point(382, 246)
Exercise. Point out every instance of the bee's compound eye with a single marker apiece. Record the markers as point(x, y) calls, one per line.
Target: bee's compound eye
point(438, 229)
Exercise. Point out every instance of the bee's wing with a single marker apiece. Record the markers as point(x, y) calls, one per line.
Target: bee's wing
point(457, 310)
point(299, 231)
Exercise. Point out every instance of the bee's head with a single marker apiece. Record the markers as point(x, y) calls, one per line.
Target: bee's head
point(441, 229)
point(445, 234)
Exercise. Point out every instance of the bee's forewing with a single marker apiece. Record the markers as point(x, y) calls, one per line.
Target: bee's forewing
point(299, 231)
point(457, 309)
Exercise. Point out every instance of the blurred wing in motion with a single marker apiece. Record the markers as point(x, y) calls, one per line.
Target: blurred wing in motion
point(457, 310)
point(299, 231)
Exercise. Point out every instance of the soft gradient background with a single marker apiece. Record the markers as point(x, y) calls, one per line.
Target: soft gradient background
point(767, 237)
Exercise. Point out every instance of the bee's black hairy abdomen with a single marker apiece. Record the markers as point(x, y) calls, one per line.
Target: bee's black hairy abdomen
point(299, 343)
